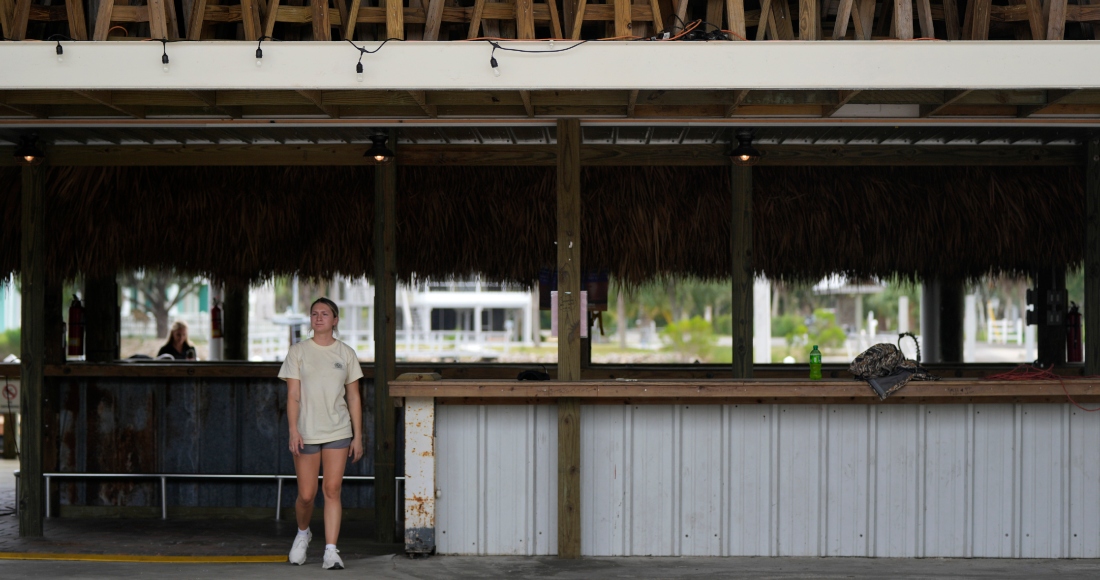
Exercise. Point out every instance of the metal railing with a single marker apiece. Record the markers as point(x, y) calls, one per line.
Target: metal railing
point(164, 477)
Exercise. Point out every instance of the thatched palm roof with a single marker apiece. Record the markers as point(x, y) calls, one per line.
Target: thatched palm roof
point(640, 223)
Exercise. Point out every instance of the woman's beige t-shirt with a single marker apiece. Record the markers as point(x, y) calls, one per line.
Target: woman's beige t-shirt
point(323, 371)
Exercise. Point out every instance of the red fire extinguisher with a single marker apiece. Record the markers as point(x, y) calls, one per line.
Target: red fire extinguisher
point(216, 320)
point(76, 328)
point(1074, 350)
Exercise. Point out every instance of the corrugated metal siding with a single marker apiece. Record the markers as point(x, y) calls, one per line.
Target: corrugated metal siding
point(496, 471)
point(187, 426)
point(993, 481)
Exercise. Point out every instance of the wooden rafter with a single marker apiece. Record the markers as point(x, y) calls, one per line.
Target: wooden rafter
point(106, 99)
point(525, 96)
point(949, 98)
point(1054, 97)
point(631, 103)
point(210, 99)
point(421, 99)
point(844, 98)
point(738, 99)
point(317, 98)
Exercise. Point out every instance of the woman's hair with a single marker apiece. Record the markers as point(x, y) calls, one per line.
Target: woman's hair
point(332, 306)
point(171, 331)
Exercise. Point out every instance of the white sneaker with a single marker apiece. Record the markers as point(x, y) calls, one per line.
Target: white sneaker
point(332, 560)
point(298, 550)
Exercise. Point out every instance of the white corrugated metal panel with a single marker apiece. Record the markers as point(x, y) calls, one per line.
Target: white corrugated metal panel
point(844, 480)
point(497, 476)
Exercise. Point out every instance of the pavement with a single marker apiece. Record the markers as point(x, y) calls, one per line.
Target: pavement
point(367, 559)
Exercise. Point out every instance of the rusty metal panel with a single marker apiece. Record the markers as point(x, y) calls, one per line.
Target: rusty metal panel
point(419, 475)
point(184, 426)
point(494, 492)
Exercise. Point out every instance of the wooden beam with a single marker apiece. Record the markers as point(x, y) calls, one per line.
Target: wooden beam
point(210, 98)
point(525, 96)
point(36, 111)
point(385, 342)
point(809, 20)
point(104, 98)
point(395, 19)
point(949, 98)
point(421, 99)
point(1092, 256)
point(843, 99)
point(738, 99)
point(903, 19)
point(1053, 96)
point(434, 19)
point(1056, 20)
point(569, 334)
point(33, 351)
point(317, 98)
point(741, 251)
point(594, 155)
point(631, 103)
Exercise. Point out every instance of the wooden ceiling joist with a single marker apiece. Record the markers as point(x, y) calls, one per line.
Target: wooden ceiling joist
point(106, 99)
point(949, 99)
point(317, 98)
point(546, 155)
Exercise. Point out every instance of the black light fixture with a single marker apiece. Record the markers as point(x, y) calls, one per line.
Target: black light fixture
point(378, 152)
point(28, 153)
point(745, 153)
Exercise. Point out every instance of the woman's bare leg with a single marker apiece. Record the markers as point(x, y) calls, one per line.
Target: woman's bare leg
point(306, 468)
point(334, 461)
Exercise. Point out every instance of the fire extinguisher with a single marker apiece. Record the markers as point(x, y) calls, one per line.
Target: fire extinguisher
point(216, 320)
point(1074, 350)
point(76, 328)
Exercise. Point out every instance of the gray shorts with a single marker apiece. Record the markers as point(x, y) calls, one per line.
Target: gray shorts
point(308, 449)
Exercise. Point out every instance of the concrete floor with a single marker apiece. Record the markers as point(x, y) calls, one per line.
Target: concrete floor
point(443, 567)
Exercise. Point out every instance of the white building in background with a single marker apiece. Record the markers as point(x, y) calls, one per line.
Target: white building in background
point(10, 305)
point(435, 320)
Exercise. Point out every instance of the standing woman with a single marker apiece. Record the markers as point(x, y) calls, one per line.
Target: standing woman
point(326, 424)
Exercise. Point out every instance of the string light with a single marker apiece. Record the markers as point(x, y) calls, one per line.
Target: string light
point(496, 66)
point(260, 50)
point(493, 62)
point(164, 57)
point(362, 51)
point(59, 50)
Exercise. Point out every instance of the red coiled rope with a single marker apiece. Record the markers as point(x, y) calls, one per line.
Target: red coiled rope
point(1026, 372)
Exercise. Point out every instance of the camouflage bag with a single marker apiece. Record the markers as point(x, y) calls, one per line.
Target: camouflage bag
point(886, 369)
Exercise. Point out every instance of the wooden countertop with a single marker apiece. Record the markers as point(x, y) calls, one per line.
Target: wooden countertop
point(756, 391)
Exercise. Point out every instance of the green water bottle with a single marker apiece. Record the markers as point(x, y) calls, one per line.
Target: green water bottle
point(815, 364)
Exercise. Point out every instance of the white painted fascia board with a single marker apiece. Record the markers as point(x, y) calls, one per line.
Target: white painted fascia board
point(614, 65)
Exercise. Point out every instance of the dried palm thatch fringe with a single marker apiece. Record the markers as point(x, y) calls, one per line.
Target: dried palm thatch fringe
point(251, 223)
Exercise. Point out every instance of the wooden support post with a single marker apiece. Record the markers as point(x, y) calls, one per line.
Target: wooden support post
point(101, 306)
point(395, 19)
point(33, 351)
point(952, 299)
point(385, 344)
point(742, 274)
point(1092, 257)
point(569, 336)
point(235, 316)
point(51, 402)
point(1050, 307)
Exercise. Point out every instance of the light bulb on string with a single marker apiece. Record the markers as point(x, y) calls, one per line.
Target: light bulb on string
point(359, 71)
point(259, 56)
point(496, 67)
point(164, 57)
point(60, 52)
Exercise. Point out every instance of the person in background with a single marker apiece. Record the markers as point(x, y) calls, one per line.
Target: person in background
point(178, 347)
point(324, 409)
